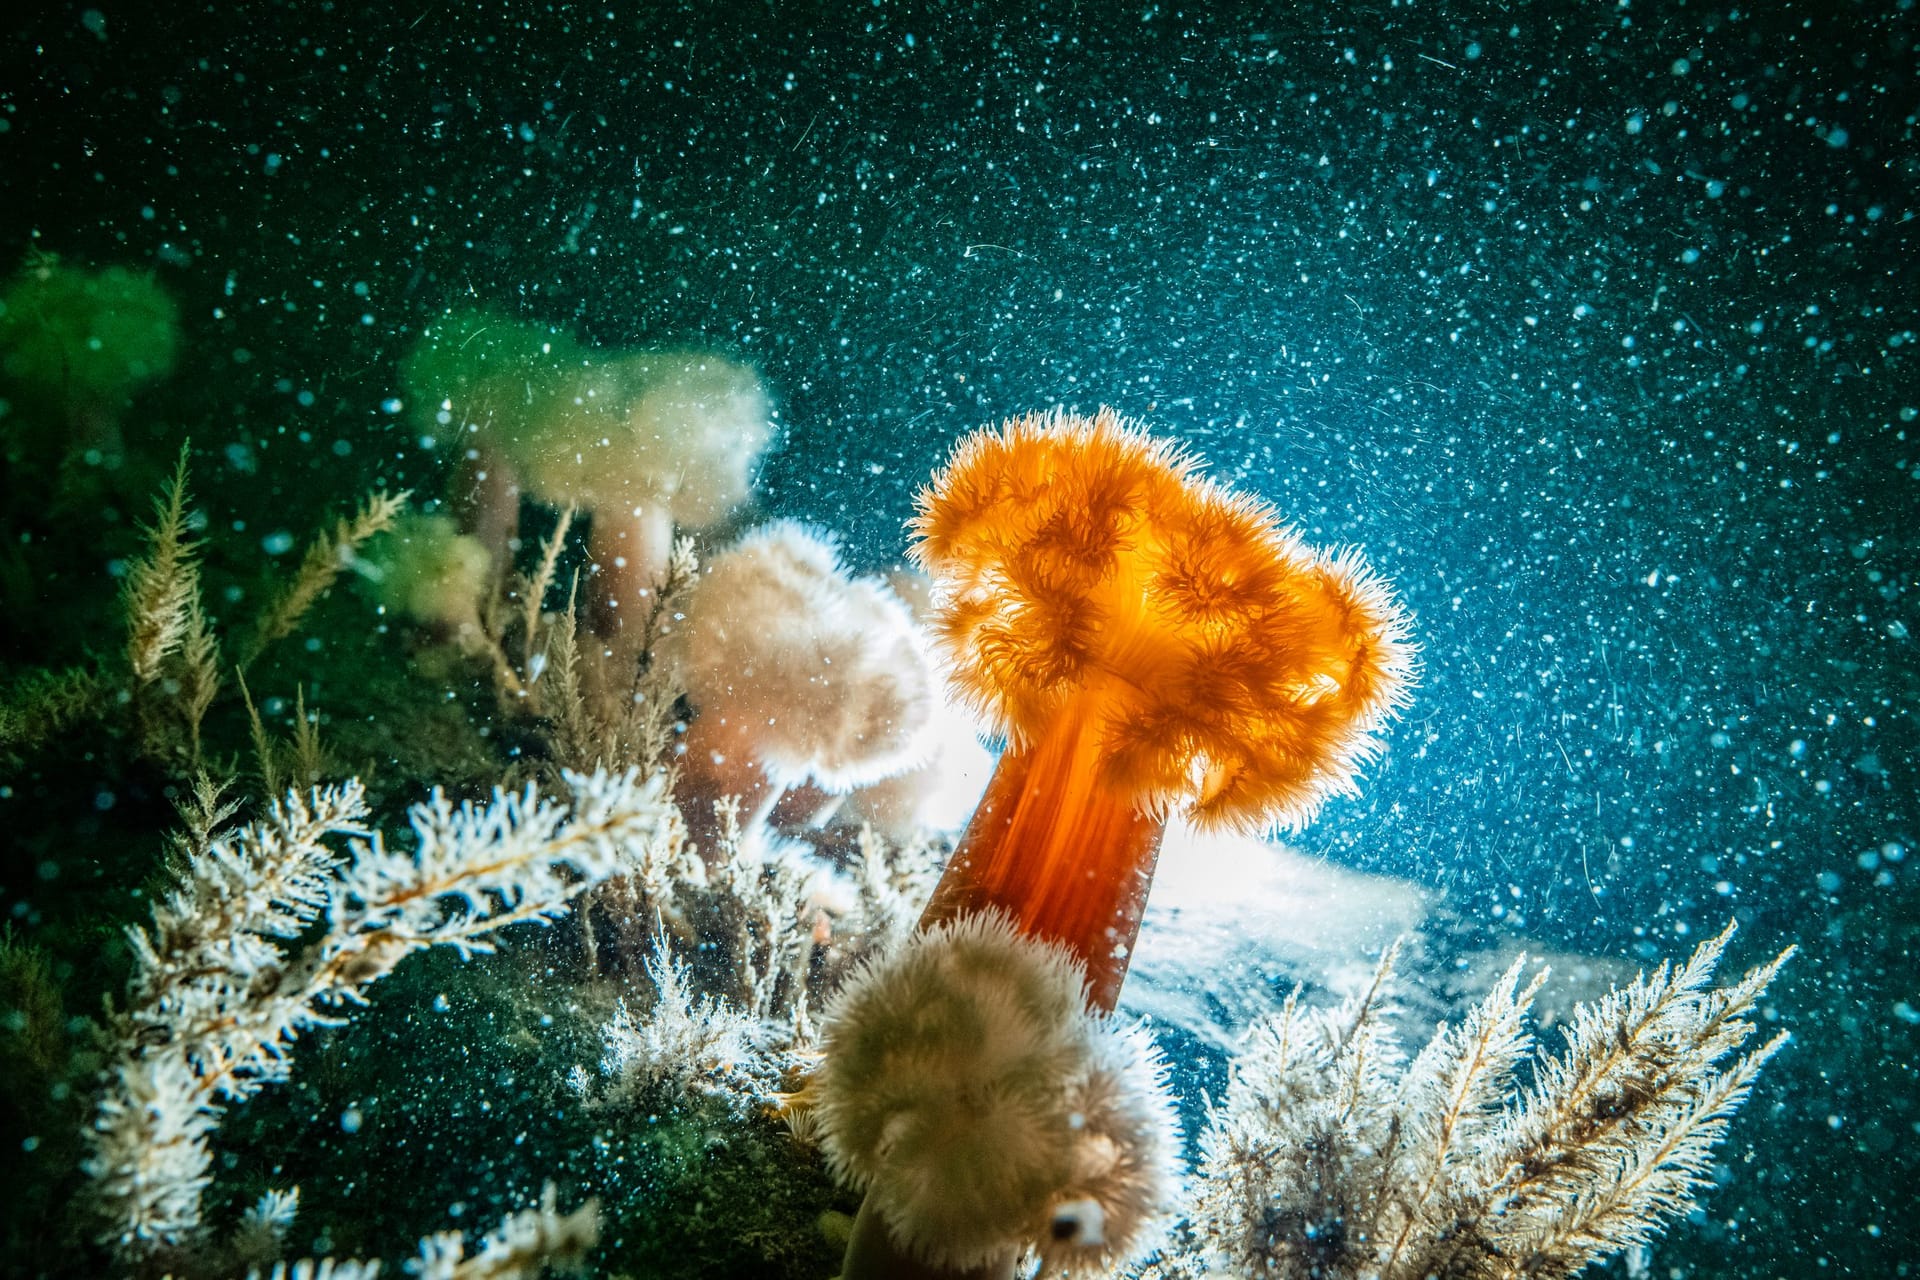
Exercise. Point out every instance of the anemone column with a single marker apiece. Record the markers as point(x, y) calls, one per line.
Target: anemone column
point(1056, 845)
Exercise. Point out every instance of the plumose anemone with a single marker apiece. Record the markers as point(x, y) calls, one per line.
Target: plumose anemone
point(1149, 643)
point(646, 442)
point(86, 341)
point(471, 380)
point(649, 442)
point(965, 1084)
point(798, 672)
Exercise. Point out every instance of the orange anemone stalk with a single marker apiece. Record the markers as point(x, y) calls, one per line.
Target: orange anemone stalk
point(1150, 643)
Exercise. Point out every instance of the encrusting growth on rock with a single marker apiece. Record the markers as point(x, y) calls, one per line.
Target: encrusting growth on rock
point(1149, 643)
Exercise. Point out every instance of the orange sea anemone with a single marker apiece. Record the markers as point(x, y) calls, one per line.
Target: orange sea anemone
point(1149, 643)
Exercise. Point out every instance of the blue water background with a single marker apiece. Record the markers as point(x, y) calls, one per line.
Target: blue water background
point(1593, 324)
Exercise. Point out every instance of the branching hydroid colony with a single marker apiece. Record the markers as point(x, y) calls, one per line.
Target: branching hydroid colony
point(172, 656)
point(591, 703)
point(326, 556)
point(170, 672)
point(1335, 1159)
point(522, 1247)
point(231, 972)
point(767, 931)
point(684, 1043)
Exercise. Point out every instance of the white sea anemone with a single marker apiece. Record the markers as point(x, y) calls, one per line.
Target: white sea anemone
point(797, 670)
point(647, 442)
point(938, 794)
point(650, 443)
point(698, 424)
point(429, 571)
point(967, 1089)
point(680, 429)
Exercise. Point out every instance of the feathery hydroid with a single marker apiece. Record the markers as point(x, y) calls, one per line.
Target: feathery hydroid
point(1328, 1160)
point(326, 556)
point(522, 1247)
point(224, 984)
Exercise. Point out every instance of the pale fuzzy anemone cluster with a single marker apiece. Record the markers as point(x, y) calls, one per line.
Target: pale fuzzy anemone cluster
point(678, 430)
point(797, 670)
point(430, 572)
point(941, 792)
point(938, 794)
point(647, 441)
point(965, 1086)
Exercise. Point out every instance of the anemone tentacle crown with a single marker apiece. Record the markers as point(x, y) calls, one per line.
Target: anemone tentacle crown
point(1233, 672)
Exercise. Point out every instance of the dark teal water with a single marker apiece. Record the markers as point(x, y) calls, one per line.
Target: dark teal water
point(1594, 324)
